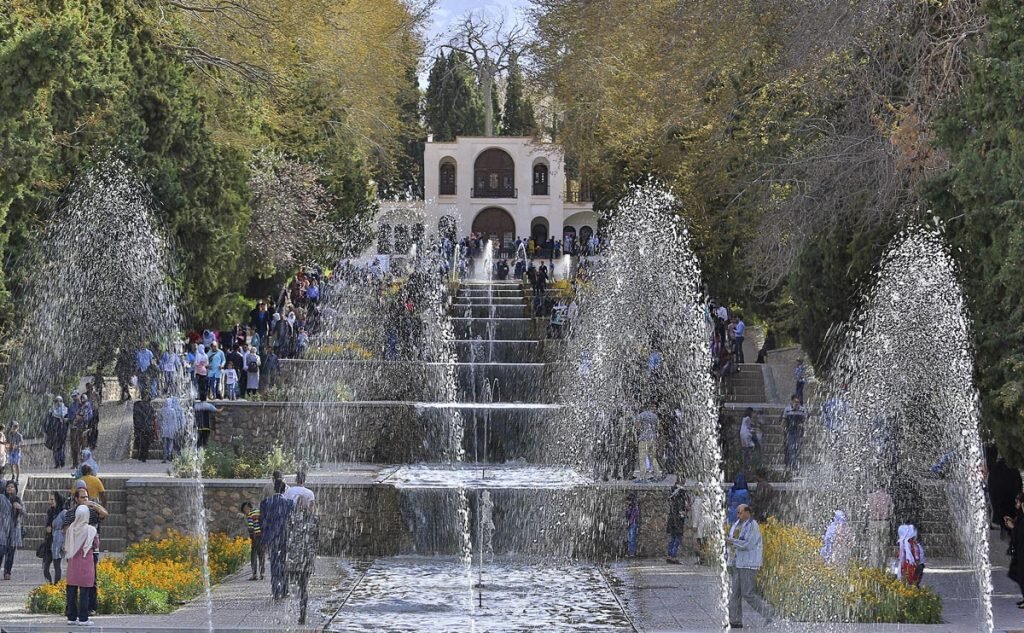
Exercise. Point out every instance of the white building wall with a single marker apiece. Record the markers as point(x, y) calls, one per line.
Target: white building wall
point(523, 209)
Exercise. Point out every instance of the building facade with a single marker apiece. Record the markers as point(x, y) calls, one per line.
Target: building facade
point(503, 187)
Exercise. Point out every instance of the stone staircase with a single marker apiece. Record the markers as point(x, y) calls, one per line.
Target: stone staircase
point(745, 386)
point(36, 496)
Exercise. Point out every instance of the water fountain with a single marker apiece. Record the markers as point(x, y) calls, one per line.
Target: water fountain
point(102, 282)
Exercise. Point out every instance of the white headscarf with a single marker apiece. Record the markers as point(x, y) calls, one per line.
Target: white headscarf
point(59, 410)
point(906, 533)
point(88, 460)
point(831, 533)
point(80, 535)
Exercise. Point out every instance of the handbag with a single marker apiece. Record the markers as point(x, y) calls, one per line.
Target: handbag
point(42, 549)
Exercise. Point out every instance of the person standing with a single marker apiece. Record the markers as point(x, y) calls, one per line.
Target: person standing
point(14, 441)
point(911, 555)
point(745, 557)
point(799, 374)
point(170, 426)
point(675, 525)
point(749, 440)
point(879, 513)
point(81, 542)
point(303, 539)
point(252, 370)
point(739, 332)
point(632, 516)
point(299, 492)
point(53, 541)
point(217, 361)
point(1016, 526)
point(794, 417)
point(11, 512)
point(204, 422)
point(97, 513)
point(57, 431)
point(256, 552)
point(647, 466)
point(202, 370)
point(274, 513)
point(143, 427)
point(837, 544)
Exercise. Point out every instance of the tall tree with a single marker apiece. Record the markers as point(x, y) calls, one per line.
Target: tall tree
point(981, 198)
point(400, 169)
point(453, 104)
point(490, 46)
point(517, 117)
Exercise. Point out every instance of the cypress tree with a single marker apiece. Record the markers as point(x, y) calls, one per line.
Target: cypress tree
point(453, 103)
point(981, 197)
point(517, 118)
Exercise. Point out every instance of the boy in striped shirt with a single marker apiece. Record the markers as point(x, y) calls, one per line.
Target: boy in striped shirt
point(252, 524)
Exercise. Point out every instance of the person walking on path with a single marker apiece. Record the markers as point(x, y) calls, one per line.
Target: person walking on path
point(303, 538)
point(794, 417)
point(1016, 526)
point(799, 374)
point(217, 363)
point(675, 524)
point(170, 426)
point(274, 513)
point(81, 542)
point(299, 491)
point(252, 370)
point(739, 332)
point(745, 557)
point(53, 541)
point(632, 516)
point(257, 554)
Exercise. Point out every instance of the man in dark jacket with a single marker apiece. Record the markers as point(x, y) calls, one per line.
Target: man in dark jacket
point(675, 526)
point(274, 513)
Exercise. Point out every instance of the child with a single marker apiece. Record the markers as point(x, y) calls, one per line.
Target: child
point(256, 552)
point(15, 457)
point(231, 379)
point(749, 440)
point(632, 516)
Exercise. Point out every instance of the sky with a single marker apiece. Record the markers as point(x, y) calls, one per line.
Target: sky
point(448, 13)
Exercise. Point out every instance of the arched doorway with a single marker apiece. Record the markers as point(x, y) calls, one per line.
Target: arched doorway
point(539, 230)
point(585, 233)
point(495, 223)
point(494, 175)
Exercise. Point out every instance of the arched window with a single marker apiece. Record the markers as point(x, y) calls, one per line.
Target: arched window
point(447, 179)
point(540, 179)
point(494, 175)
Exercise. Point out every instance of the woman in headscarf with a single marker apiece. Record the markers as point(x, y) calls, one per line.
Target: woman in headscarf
point(739, 495)
point(838, 541)
point(911, 555)
point(252, 369)
point(57, 431)
point(87, 460)
point(13, 526)
point(53, 540)
point(80, 541)
point(1016, 527)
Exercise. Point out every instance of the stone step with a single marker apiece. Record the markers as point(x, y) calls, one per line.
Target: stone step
point(489, 300)
point(489, 310)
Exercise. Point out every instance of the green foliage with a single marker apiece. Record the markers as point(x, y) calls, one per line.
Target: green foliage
point(235, 461)
point(980, 197)
point(454, 106)
point(517, 117)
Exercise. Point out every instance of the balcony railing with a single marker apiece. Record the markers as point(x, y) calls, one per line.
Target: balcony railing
point(493, 193)
point(579, 196)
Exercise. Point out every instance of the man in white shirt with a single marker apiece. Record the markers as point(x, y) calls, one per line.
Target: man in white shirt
point(299, 490)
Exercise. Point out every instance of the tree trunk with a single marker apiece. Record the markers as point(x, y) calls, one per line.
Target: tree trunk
point(486, 85)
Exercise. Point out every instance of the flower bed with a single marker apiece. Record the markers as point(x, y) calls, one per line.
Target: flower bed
point(153, 576)
point(802, 587)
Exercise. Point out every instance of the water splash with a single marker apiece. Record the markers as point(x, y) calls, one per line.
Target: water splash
point(900, 414)
point(642, 343)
